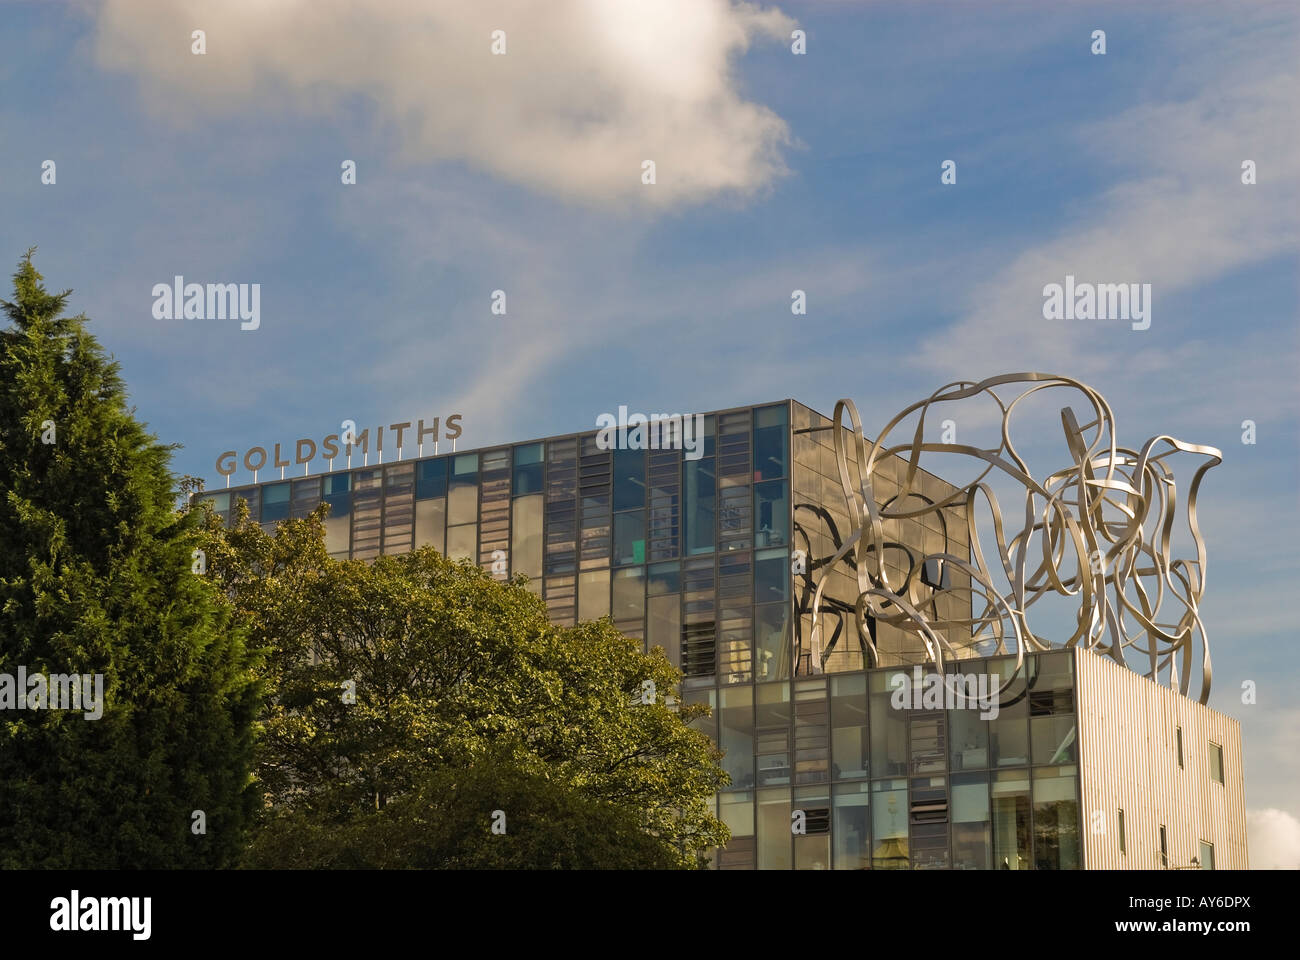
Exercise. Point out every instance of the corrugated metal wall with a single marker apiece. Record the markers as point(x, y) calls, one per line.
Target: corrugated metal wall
point(1129, 762)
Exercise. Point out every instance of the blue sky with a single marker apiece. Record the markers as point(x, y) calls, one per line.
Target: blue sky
point(776, 172)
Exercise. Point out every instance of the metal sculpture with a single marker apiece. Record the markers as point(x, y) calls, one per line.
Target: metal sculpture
point(1098, 528)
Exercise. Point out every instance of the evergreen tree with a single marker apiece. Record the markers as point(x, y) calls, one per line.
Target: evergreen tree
point(97, 576)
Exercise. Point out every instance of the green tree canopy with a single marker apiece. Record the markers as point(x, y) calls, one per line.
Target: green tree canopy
point(96, 578)
point(414, 689)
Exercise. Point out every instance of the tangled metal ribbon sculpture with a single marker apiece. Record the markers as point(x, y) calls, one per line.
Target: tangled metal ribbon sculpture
point(1099, 528)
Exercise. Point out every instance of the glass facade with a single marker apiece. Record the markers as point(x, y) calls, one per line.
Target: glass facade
point(700, 557)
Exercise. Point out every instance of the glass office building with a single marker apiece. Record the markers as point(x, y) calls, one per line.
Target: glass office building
point(715, 560)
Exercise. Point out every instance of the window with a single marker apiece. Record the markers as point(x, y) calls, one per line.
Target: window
point(700, 498)
point(275, 502)
point(772, 641)
point(593, 594)
point(528, 469)
point(849, 745)
point(771, 451)
point(1122, 848)
point(629, 537)
point(889, 825)
point(629, 596)
point(338, 494)
point(1207, 856)
point(771, 576)
point(1216, 762)
point(1056, 819)
point(1010, 801)
point(771, 514)
point(431, 479)
point(736, 737)
point(1164, 848)
point(1178, 743)
point(972, 823)
point(851, 813)
point(629, 479)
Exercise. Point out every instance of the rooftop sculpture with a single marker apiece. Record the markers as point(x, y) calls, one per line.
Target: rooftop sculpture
point(1098, 528)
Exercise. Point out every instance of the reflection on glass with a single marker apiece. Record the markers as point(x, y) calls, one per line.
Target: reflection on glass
point(664, 626)
point(889, 825)
point(528, 469)
point(275, 502)
point(629, 594)
point(430, 523)
point(772, 513)
point(849, 744)
point(462, 542)
point(1053, 740)
point(812, 849)
point(526, 535)
point(774, 829)
point(850, 827)
point(338, 494)
point(700, 498)
point(736, 735)
point(888, 726)
point(629, 537)
point(772, 642)
point(593, 594)
point(1056, 819)
point(968, 738)
point(1011, 820)
point(771, 576)
point(629, 479)
point(972, 824)
point(771, 450)
point(431, 479)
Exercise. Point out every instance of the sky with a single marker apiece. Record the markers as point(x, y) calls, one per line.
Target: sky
point(774, 171)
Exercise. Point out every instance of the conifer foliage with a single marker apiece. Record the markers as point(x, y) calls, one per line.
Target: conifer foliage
point(98, 575)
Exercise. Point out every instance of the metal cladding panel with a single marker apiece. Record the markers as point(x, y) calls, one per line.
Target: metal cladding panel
point(1129, 761)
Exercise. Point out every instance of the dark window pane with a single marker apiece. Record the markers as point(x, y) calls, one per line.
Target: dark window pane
point(700, 498)
point(771, 513)
point(338, 493)
point(629, 537)
point(275, 502)
point(528, 469)
point(771, 448)
point(431, 479)
point(629, 479)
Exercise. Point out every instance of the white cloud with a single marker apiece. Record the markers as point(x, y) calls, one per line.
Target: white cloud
point(1274, 839)
point(586, 91)
point(1179, 219)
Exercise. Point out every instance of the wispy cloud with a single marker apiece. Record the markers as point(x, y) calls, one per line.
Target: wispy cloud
point(1179, 219)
